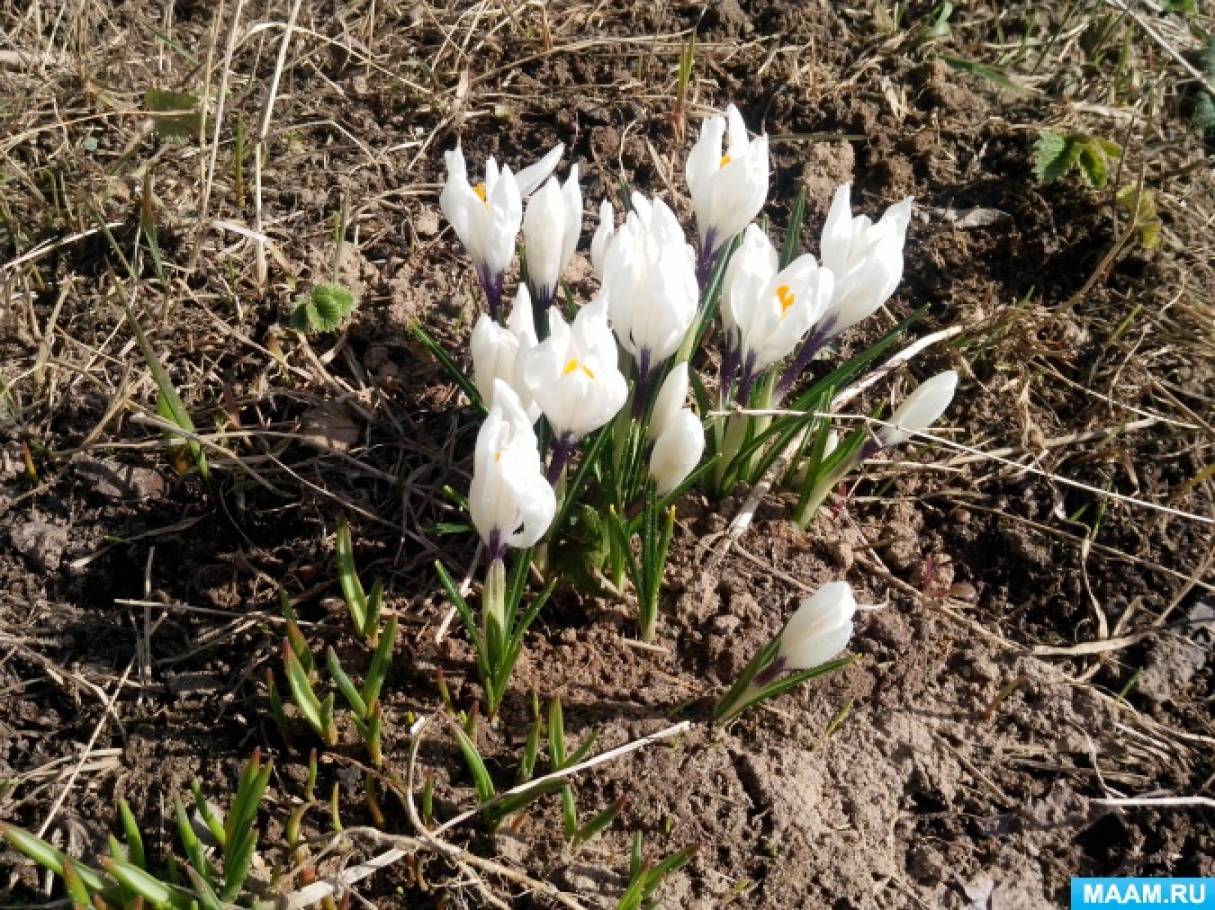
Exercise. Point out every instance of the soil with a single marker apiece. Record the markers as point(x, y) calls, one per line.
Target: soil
point(961, 762)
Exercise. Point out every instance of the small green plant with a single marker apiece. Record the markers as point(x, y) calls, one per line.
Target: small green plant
point(176, 114)
point(303, 680)
point(126, 879)
point(323, 309)
point(645, 877)
point(1057, 154)
point(1203, 113)
point(498, 637)
point(364, 608)
point(1140, 204)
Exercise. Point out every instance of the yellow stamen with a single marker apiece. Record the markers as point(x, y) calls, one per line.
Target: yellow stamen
point(573, 365)
point(786, 297)
point(497, 456)
point(479, 189)
point(725, 159)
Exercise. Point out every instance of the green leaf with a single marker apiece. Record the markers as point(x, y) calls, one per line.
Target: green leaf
point(179, 112)
point(207, 898)
point(569, 812)
point(1094, 162)
point(599, 823)
point(1140, 204)
point(77, 891)
point(344, 684)
point(458, 376)
point(476, 767)
point(992, 73)
point(130, 830)
point(1183, 7)
point(301, 690)
point(793, 237)
point(176, 409)
point(556, 733)
point(189, 840)
point(35, 848)
point(150, 888)
point(380, 662)
point(323, 309)
point(1203, 114)
point(1054, 155)
point(348, 577)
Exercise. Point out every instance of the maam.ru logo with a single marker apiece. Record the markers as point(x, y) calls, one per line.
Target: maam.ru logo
point(1134, 893)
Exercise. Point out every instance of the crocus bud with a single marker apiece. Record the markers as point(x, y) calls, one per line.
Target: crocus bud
point(677, 451)
point(670, 400)
point(550, 233)
point(495, 352)
point(511, 501)
point(728, 190)
point(649, 281)
point(866, 258)
point(573, 376)
point(819, 629)
point(603, 236)
point(920, 409)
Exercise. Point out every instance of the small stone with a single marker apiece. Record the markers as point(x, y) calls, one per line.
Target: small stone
point(120, 482)
point(41, 542)
point(426, 223)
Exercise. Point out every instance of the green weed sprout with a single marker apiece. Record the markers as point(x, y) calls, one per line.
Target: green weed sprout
point(125, 879)
point(645, 877)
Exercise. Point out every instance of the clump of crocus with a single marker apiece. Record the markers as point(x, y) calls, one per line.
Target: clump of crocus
point(486, 217)
point(818, 631)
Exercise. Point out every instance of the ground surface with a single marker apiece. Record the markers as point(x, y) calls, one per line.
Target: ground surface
point(138, 611)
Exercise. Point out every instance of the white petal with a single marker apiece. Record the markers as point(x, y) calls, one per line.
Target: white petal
point(532, 176)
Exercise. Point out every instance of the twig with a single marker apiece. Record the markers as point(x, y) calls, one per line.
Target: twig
point(1157, 801)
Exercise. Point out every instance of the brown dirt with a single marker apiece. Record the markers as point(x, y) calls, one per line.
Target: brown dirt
point(966, 771)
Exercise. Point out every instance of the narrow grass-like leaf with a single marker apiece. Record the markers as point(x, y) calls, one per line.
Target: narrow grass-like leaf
point(214, 822)
point(47, 856)
point(130, 829)
point(599, 823)
point(458, 376)
point(569, 812)
point(148, 887)
point(793, 237)
point(457, 600)
point(78, 892)
point(348, 689)
point(476, 767)
point(301, 690)
point(190, 843)
point(164, 385)
point(381, 660)
point(203, 892)
point(348, 577)
point(556, 733)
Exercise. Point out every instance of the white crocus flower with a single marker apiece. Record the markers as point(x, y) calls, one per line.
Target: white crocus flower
point(649, 282)
point(573, 377)
point(511, 501)
point(819, 629)
point(920, 409)
point(486, 217)
point(866, 258)
point(602, 238)
point(496, 352)
point(550, 234)
point(729, 189)
point(671, 396)
point(677, 451)
point(771, 311)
